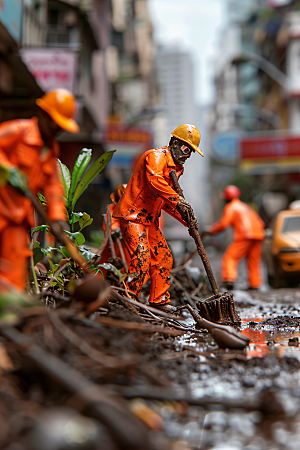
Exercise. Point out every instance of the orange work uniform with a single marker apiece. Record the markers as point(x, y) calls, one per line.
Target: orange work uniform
point(21, 146)
point(148, 192)
point(248, 236)
point(115, 224)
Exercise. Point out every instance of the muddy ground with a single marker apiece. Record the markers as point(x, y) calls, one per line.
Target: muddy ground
point(143, 382)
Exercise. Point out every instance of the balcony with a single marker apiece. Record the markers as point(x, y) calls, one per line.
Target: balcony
point(61, 36)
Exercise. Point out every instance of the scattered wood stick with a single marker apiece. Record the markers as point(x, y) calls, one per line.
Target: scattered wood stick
point(103, 359)
point(145, 307)
point(137, 326)
point(186, 263)
point(96, 402)
point(191, 302)
point(119, 244)
point(163, 394)
point(105, 238)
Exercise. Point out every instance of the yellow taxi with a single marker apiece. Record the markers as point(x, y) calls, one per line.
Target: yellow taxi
point(282, 249)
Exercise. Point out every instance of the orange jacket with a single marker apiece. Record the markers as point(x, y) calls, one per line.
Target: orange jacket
point(150, 189)
point(21, 145)
point(245, 221)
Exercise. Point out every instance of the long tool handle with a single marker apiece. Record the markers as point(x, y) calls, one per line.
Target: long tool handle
point(196, 236)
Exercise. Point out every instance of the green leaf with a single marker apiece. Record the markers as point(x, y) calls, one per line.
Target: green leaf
point(87, 253)
point(97, 271)
point(18, 179)
point(75, 217)
point(40, 227)
point(4, 175)
point(64, 176)
point(80, 165)
point(93, 171)
point(37, 253)
point(42, 199)
point(77, 238)
point(65, 252)
point(53, 266)
point(113, 269)
point(84, 221)
point(47, 251)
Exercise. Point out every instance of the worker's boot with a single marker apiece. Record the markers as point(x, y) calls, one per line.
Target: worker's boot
point(166, 307)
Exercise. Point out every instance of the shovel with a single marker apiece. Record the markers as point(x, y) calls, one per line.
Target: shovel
point(220, 307)
point(224, 336)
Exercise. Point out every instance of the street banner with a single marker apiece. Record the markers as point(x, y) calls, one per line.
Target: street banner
point(52, 68)
point(270, 154)
point(131, 143)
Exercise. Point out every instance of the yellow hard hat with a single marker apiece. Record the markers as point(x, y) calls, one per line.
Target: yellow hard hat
point(115, 196)
point(189, 134)
point(60, 104)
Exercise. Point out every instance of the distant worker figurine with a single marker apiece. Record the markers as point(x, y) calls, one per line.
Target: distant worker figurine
point(150, 189)
point(248, 236)
point(28, 157)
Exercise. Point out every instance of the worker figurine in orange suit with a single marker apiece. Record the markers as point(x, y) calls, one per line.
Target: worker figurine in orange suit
point(28, 157)
point(116, 236)
point(248, 236)
point(150, 189)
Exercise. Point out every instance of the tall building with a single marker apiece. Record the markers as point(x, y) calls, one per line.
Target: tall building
point(175, 78)
point(255, 118)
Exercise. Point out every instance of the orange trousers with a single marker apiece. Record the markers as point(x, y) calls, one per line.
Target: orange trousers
point(237, 250)
point(14, 254)
point(150, 256)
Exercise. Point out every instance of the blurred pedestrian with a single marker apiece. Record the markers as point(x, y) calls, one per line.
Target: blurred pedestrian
point(248, 236)
point(150, 189)
point(28, 159)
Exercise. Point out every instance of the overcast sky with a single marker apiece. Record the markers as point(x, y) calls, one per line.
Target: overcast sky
point(195, 26)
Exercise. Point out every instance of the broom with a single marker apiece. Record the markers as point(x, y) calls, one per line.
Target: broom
point(219, 308)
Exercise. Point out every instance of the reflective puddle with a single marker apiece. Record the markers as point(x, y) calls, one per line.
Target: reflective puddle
point(265, 338)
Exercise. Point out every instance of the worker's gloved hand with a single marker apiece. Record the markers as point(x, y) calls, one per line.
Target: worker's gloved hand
point(17, 179)
point(194, 222)
point(116, 234)
point(185, 210)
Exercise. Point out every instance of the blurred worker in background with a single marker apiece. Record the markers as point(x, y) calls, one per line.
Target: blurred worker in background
point(248, 236)
point(119, 248)
point(28, 159)
point(150, 189)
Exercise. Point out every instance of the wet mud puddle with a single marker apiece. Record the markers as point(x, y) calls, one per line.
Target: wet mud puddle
point(266, 372)
point(272, 329)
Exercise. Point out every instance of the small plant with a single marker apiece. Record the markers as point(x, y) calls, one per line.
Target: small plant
point(59, 258)
point(75, 185)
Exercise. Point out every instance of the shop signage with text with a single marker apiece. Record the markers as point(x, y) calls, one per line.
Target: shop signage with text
point(52, 68)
